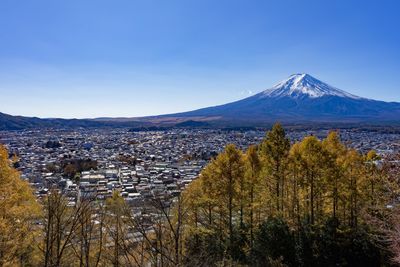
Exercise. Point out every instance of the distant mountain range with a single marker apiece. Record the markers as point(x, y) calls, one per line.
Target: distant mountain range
point(299, 99)
point(8, 122)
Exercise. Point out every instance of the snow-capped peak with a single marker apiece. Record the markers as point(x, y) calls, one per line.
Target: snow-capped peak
point(299, 85)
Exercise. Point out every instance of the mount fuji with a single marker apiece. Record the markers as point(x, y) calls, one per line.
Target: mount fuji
point(301, 98)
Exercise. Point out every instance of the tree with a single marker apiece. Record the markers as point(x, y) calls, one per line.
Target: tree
point(18, 214)
point(274, 150)
point(373, 178)
point(336, 153)
point(353, 165)
point(312, 158)
point(116, 228)
point(221, 183)
point(253, 169)
point(61, 224)
point(89, 240)
point(274, 241)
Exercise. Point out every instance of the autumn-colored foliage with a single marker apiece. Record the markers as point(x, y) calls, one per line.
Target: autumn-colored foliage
point(18, 212)
point(319, 185)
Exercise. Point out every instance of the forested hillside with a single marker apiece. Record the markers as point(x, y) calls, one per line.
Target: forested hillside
point(310, 203)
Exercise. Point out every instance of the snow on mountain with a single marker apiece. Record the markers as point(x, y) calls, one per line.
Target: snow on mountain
point(304, 85)
point(301, 97)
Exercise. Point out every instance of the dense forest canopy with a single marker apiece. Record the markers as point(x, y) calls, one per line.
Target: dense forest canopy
point(310, 203)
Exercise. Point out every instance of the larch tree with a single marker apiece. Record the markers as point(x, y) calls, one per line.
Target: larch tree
point(336, 153)
point(313, 161)
point(274, 151)
point(253, 170)
point(222, 179)
point(18, 212)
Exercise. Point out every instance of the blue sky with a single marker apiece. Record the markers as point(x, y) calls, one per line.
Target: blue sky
point(75, 58)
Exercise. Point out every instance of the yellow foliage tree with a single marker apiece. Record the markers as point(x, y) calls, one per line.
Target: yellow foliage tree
point(18, 211)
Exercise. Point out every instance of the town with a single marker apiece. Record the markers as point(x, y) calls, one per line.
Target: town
point(140, 164)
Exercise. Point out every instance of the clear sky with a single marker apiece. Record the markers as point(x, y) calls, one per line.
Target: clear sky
point(81, 58)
